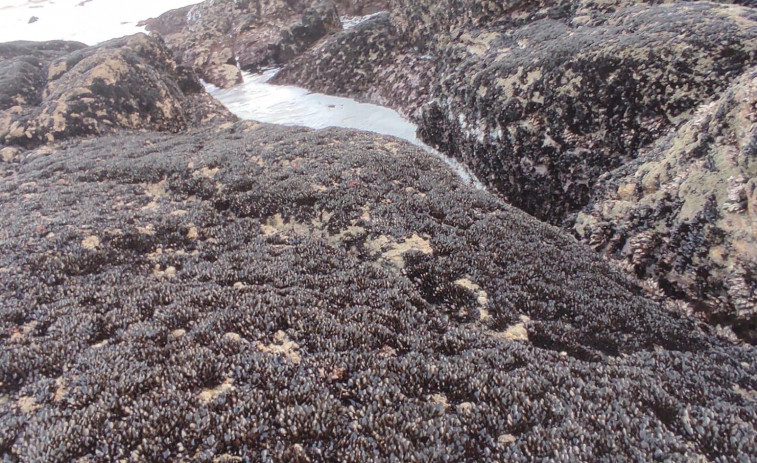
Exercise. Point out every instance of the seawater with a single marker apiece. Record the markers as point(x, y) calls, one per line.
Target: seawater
point(94, 21)
point(257, 99)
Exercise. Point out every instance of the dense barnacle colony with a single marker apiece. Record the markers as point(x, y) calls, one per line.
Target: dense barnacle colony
point(238, 291)
point(329, 324)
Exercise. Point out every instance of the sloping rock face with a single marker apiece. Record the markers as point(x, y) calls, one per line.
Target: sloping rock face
point(316, 22)
point(370, 62)
point(219, 37)
point(216, 37)
point(684, 215)
point(59, 90)
point(283, 294)
point(543, 99)
point(541, 113)
point(24, 69)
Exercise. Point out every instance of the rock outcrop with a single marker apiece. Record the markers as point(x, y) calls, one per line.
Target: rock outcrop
point(273, 293)
point(57, 90)
point(317, 21)
point(542, 99)
point(541, 113)
point(24, 70)
point(181, 286)
point(684, 215)
point(220, 37)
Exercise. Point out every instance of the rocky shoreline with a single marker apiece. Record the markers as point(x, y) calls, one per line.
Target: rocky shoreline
point(179, 285)
point(551, 103)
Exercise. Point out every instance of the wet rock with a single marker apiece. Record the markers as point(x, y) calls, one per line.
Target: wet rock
point(317, 21)
point(369, 62)
point(542, 100)
point(328, 295)
point(684, 215)
point(541, 112)
point(247, 34)
point(58, 90)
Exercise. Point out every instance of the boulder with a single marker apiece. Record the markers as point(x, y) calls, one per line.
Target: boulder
point(683, 217)
point(61, 90)
point(252, 291)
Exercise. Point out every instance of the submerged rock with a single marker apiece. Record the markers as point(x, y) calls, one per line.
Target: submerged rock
point(57, 90)
point(256, 291)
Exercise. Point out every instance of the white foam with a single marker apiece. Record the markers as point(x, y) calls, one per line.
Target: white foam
point(84, 21)
point(348, 22)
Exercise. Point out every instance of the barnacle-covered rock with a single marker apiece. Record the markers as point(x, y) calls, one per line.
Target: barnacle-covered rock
point(542, 100)
point(685, 213)
point(539, 98)
point(23, 73)
point(541, 112)
point(248, 291)
point(317, 21)
point(220, 37)
point(58, 90)
point(370, 62)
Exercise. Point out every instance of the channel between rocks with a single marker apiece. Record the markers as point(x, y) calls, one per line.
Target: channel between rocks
point(257, 99)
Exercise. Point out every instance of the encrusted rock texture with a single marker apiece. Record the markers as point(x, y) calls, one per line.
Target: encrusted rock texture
point(370, 62)
point(544, 100)
point(684, 215)
point(246, 291)
point(177, 285)
point(56, 90)
point(221, 37)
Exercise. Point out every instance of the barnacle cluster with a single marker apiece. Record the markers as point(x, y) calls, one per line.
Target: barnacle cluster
point(262, 293)
point(682, 215)
point(56, 90)
point(566, 109)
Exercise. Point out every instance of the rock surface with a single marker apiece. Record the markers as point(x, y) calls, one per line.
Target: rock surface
point(57, 90)
point(317, 21)
point(219, 37)
point(542, 99)
point(369, 62)
point(283, 294)
point(684, 215)
point(24, 70)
